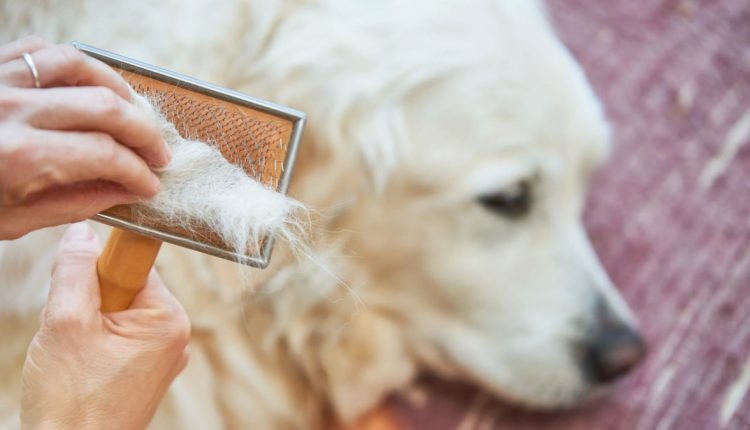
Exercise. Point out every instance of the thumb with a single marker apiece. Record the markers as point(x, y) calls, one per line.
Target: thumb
point(74, 288)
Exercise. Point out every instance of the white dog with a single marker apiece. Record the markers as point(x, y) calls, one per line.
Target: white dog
point(448, 150)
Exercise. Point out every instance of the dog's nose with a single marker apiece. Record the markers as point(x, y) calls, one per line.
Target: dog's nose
point(612, 352)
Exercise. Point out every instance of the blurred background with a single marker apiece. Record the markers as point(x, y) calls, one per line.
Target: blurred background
point(669, 216)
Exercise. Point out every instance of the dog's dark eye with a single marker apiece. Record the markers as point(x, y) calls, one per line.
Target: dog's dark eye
point(514, 203)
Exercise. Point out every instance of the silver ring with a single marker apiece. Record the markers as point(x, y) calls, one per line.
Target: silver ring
point(34, 72)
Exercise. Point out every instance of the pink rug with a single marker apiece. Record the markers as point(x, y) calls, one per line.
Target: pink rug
point(669, 215)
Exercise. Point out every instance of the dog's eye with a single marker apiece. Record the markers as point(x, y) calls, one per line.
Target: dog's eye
point(513, 203)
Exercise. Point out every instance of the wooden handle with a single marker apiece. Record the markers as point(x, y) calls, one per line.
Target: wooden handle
point(123, 267)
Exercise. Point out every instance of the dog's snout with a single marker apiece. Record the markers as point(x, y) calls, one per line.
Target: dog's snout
point(612, 352)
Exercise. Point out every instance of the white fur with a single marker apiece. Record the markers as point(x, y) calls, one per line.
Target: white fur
point(415, 109)
point(200, 187)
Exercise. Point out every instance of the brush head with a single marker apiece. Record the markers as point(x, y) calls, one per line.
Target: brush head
point(259, 137)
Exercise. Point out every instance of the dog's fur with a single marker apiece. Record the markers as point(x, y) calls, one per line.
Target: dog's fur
point(416, 110)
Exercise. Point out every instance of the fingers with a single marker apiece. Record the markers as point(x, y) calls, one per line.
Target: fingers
point(61, 205)
point(155, 295)
point(74, 289)
point(156, 314)
point(173, 327)
point(63, 65)
point(99, 109)
point(51, 158)
point(15, 49)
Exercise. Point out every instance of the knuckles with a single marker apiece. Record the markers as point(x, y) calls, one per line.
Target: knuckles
point(17, 153)
point(36, 41)
point(178, 330)
point(106, 147)
point(175, 329)
point(111, 105)
point(71, 58)
point(66, 320)
point(169, 327)
point(11, 102)
point(16, 147)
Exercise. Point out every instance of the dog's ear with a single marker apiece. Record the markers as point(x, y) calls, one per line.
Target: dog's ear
point(336, 356)
point(363, 363)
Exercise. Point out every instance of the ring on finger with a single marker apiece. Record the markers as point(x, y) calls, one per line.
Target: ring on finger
point(32, 67)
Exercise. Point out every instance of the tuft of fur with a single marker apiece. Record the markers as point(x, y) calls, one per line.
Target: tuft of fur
point(200, 187)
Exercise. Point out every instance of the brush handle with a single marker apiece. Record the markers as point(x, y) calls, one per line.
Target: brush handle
point(123, 267)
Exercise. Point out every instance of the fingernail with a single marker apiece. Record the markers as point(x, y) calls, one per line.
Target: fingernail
point(167, 154)
point(78, 232)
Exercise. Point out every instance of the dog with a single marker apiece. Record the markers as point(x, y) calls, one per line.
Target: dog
point(447, 157)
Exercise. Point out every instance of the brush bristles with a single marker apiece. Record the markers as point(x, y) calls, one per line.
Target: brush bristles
point(200, 187)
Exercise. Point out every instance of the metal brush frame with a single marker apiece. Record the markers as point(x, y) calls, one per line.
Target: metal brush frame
point(167, 76)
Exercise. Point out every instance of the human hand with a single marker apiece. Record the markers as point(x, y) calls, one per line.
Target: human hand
point(88, 370)
point(73, 148)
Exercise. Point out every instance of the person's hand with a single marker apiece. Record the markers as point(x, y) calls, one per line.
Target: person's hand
point(88, 370)
point(74, 147)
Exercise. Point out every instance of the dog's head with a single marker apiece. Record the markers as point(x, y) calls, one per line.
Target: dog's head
point(476, 242)
point(477, 141)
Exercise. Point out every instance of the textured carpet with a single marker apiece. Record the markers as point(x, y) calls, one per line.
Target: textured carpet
point(669, 216)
